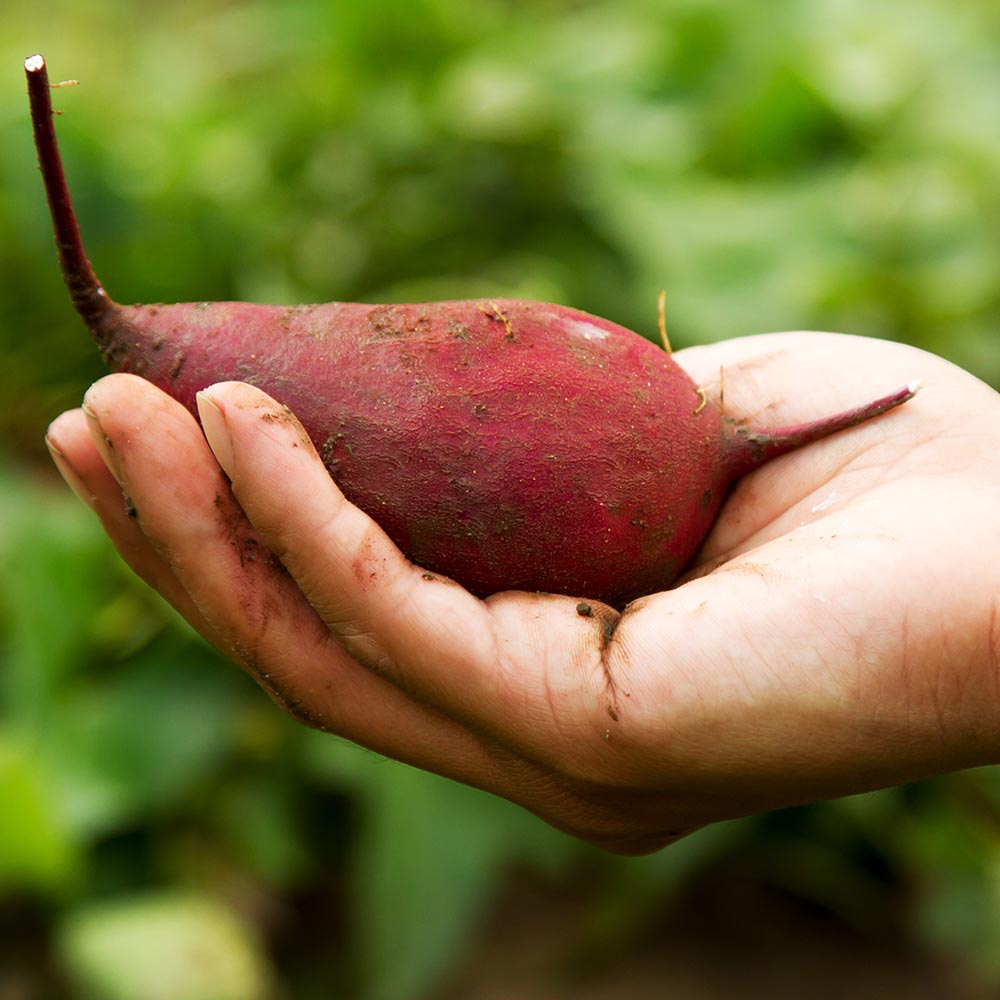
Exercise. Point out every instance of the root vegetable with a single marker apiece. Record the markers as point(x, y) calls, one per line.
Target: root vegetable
point(506, 444)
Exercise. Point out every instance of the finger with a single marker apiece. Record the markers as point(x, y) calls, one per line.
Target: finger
point(185, 509)
point(499, 664)
point(81, 465)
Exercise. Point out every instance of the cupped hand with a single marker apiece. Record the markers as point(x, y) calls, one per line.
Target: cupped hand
point(838, 632)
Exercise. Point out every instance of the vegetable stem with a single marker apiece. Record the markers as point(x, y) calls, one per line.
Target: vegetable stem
point(89, 298)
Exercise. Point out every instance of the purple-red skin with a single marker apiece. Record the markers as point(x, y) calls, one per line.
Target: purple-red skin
point(548, 450)
point(509, 445)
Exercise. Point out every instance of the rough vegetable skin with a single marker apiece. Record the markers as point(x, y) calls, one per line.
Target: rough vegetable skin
point(506, 444)
point(544, 450)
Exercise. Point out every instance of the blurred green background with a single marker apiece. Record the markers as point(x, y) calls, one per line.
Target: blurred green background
point(164, 831)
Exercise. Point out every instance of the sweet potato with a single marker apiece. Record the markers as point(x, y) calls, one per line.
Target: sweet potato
point(506, 444)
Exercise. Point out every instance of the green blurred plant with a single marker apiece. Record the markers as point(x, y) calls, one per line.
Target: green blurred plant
point(825, 163)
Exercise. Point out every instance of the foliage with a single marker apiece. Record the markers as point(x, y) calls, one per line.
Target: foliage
point(163, 948)
point(817, 164)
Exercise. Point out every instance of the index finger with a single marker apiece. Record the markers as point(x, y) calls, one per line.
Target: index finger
point(484, 661)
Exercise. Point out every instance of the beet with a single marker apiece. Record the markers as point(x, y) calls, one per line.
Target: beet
point(506, 444)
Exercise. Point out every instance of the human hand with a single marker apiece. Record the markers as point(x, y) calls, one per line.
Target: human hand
point(838, 632)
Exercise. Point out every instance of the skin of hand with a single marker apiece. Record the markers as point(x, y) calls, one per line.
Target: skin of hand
point(838, 632)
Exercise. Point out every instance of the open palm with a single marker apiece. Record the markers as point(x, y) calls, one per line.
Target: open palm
point(839, 631)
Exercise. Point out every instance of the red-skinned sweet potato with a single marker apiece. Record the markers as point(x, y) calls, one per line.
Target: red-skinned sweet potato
point(505, 444)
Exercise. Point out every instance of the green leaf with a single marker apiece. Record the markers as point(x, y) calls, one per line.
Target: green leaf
point(35, 851)
point(163, 947)
point(54, 579)
point(430, 858)
point(137, 741)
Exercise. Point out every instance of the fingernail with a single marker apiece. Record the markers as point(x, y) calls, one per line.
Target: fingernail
point(66, 470)
point(213, 423)
point(102, 441)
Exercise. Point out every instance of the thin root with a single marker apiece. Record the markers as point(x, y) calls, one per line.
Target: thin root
point(722, 390)
point(496, 313)
point(702, 400)
point(661, 320)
